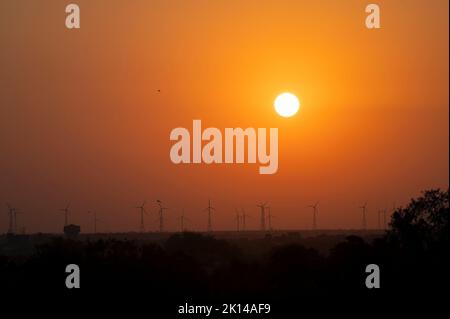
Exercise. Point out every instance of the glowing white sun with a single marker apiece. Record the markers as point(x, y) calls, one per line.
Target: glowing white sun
point(286, 104)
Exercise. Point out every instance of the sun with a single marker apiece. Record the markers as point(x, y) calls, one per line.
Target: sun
point(286, 104)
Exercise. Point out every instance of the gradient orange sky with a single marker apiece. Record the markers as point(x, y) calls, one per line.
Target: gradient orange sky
point(81, 121)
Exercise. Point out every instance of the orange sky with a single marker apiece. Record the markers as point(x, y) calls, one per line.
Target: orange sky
point(80, 119)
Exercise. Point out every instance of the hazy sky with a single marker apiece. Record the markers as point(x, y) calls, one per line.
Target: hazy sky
point(81, 121)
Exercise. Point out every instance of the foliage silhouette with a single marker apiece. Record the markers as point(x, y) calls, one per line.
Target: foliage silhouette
point(413, 257)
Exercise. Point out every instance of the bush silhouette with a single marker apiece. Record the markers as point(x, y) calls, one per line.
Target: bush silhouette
point(423, 224)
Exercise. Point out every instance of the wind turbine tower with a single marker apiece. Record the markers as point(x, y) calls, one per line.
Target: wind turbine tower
point(209, 209)
point(142, 211)
point(66, 214)
point(238, 220)
point(379, 218)
point(161, 215)
point(15, 220)
point(263, 215)
point(244, 216)
point(364, 223)
point(183, 219)
point(270, 216)
point(11, 212)
point(382, 218)
point(95, 221)
point(314, 217)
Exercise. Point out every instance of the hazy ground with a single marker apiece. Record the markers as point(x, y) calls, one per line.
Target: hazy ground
point(249, 241)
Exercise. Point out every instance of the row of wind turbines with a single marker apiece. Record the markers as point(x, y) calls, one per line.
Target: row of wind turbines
point(241, 217)
point(266, 217)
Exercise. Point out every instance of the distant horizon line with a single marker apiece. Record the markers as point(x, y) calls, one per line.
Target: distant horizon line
point(355, 230)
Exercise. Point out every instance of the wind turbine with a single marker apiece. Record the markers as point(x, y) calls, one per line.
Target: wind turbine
point(379, 218)
point(142, 211)
point(238, 219)
point(384, 218)
point(364, 208)
point(11, 211)
point(244, 216)
point(209, 209)
point(315, 211)
point(263, 215)
point(66, 214)
point(161, 215)
point(394, 208)
point(95, 221)
point(183, 219)
point(15, 219)
point(270, 216)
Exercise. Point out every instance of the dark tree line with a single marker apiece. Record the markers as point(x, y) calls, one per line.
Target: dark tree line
point(412, 256)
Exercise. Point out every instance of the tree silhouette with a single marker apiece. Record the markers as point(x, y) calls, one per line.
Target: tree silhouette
point(412, 256)
point(423, 223)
